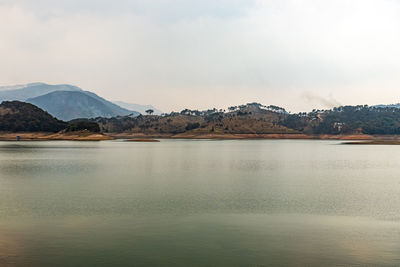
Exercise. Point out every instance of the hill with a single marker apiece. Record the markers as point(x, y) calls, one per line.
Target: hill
point(360, 119)
point(16, 116)
point(256, 119)
point(68, 105)
point(252, 118)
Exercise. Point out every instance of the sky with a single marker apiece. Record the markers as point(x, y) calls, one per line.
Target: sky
point(199, 54)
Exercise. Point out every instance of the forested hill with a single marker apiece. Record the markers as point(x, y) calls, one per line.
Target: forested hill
point(254, 118)
point(16, 116)
point(251, 118)
point(347, 120)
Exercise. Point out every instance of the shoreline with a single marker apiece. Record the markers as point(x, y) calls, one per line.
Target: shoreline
point(133, 137)
point(61, 136)
point(248, 136)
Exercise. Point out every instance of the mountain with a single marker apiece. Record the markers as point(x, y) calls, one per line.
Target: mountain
point(16, 116)
point(65, 108)
point(118, 110)
point(68, 105)
point(31, 90)
point(140, 108)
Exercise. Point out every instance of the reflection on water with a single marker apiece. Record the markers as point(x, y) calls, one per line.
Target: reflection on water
point(199, 203)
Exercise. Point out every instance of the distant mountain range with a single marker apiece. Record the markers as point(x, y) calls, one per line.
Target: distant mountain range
point(67, 102)
point(31, 90)
point(139, 108)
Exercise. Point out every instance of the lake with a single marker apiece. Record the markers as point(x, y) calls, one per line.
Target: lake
point(199, 203)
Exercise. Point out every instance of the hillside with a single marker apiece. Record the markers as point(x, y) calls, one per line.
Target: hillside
point(256, 119)
point(116, 109)
point(252, 118)
point(18, 116)
point(68, 105)
point(360, 119)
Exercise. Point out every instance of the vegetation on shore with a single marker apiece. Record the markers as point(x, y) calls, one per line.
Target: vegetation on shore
point(24, 121)
point(16, 116)
point(46, 136)
point(82, 125)
point(347, 120)
point(252, 120)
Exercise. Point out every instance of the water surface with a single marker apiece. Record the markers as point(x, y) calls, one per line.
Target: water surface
point(199, 203)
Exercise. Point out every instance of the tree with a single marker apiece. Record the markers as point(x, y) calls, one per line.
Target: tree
point(80, 125)
point(149, 111)
point(191, 126)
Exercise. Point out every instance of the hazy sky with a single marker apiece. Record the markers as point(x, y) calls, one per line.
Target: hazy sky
point(299, 54)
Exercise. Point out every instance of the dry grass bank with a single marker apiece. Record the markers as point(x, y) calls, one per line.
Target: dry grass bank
point(192, 135)
point(44, 136)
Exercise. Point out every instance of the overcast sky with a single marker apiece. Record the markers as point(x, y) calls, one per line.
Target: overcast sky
point(175, 54)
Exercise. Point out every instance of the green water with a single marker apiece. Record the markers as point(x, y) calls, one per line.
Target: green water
point(199, 203)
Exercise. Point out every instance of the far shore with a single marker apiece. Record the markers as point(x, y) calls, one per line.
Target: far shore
point(141, 137)
point(223, 136)
point(62, 136)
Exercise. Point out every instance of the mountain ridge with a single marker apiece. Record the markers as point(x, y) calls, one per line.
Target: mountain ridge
point(31, 90)
point(36, 93)
point(69, 105)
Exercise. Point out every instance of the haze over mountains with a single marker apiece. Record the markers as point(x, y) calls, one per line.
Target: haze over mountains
point(31, 90)
point(67, 102)
point(139, 108)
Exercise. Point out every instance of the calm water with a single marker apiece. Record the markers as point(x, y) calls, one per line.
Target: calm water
point(199, 203)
